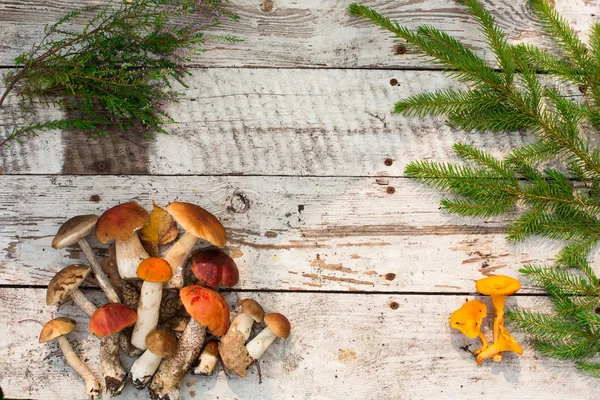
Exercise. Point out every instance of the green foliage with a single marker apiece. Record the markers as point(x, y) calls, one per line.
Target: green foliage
point(561, 203)
point(117, 69)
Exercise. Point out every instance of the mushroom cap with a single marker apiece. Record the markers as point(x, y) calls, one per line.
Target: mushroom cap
point(161, 342)
point(154, 269)
point(56, 328)
point(213, 267)
point(74, 229)
point(111, 318)
point(498, 285)
point(278, 324)
point(212, 348)
point(121, 221)
point(198, 222)
point(252, 309)
point(207, 307)
point(64, 281)
point(467, 318)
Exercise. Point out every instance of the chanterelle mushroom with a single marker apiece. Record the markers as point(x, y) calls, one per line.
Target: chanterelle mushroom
point(498, 287)
point(66, 283)
point(504, 342)
point(154, 272)
point(121, 223)
point(160, 344)
point(208, 359)
point(198, 224)
point(107, 323)
point(56, 330)
point(467, 319)
point(75, 230)
point(209, 311)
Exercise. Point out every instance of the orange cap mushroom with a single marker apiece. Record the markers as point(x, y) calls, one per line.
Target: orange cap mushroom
point(111, 318)
point(467, 319)
point(198, 222)
point(213, 268)
point(154, 269)
point(207, 307)
point(505, 342)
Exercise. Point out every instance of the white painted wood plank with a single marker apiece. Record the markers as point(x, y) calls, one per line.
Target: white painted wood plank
point(313, 33)
point(341, 347)
point(285, 233)
point(265, 122)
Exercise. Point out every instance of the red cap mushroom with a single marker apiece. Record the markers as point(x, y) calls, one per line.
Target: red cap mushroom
point(213, 268)
point(111, 318)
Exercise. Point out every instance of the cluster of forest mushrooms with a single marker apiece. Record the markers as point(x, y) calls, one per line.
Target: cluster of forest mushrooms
point(149, 312)
point(469, 317)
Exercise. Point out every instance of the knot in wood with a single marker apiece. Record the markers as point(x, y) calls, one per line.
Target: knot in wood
point(239, 203)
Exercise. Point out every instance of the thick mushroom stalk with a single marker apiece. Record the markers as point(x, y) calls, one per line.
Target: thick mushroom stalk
point(121, 223)
point(208, 359)
point(66, 284)
point(110, 363)
point(197, 224)
point(55, 330)
point(505, 342)
point(208, 310)
point(161, 344)
point(468, 318)
point(154, 271)
point(277, 326)
point(74, 231)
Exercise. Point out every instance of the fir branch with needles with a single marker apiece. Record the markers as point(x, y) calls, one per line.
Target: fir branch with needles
point(111, 66)
point(561, 203)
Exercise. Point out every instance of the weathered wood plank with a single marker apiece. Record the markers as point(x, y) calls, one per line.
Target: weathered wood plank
point(285, 233)
point(312, 33)
point(341, 346)
point(265, 122)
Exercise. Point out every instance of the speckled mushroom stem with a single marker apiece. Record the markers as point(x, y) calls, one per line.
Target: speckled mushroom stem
point(92, 386)
point(165, 384)
point(112, 370)
point(82, 302)
point(129, 255)
point(99, 273)
point(177, 257)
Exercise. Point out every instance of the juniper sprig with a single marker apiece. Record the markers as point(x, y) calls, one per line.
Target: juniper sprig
point(560, 203)
point(112, 66)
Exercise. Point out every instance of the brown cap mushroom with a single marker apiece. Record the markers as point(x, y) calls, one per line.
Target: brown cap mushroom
point(208, 359)
point(56, 328)
point(73, 230)
point(66, 284)
point(278, 326)
point(160, 344)
point(468, 318)
point(213, 268)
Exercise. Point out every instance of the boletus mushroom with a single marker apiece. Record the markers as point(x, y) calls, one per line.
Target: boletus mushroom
point(504, 342)
point(197, 224)
point(160, 343)
point(121, 223)
point(208, 311)
point(75, 230)
point(66, 284)
point(208, 359)
point(154, 272)
point(498, 288)
point(107, 323)
point(56, 329)
point(468, 318)
point(278, 326)
point(214, 268)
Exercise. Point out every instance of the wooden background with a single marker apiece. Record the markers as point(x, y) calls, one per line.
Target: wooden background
point(289, 140)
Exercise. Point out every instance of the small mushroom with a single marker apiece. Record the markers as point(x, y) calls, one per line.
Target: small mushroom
point(233, 345)
point(278, 326)
point(56, 329)
point(154, 272)
point(467, 319)
point(75, 230)
point(209, 311)
point(121, 223)
point(504, 342)
point(498, 287)
point(213, 268)
point(208, 359)
point(198, 224)
point(107, 323)
point(66, 284)
point(160, 344)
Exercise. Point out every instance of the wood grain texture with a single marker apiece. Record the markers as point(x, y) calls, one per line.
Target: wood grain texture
point(341, 347)
point(265, 122)
point(285, 233)
point(313, 33)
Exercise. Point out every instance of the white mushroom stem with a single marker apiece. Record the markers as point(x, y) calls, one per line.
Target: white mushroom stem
point(143, 368)
point(147, 311)
point(261, 342)
point(99, 273)
point(177, 257)
point(165, 384)
point(242, 324)
point(112, 370)
point(82, 302)
point(207, 364)
point(92, 386)
point(129, 254)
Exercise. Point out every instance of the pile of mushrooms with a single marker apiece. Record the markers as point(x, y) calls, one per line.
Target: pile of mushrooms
point(149, 311)
point(469, 317)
